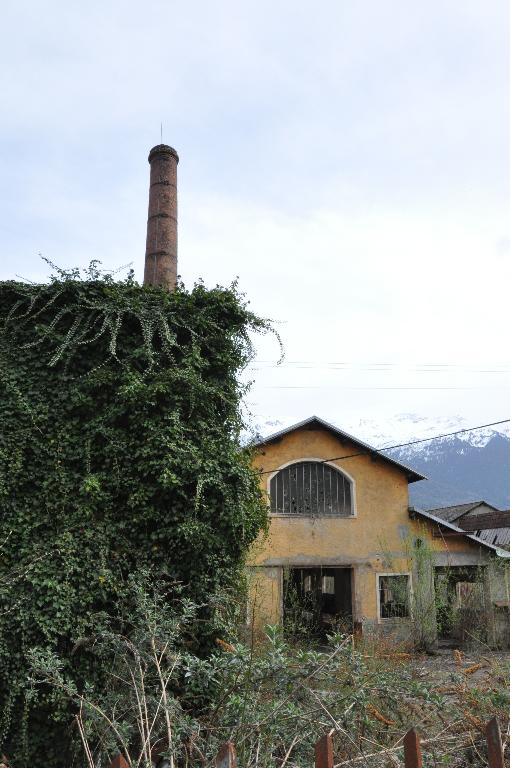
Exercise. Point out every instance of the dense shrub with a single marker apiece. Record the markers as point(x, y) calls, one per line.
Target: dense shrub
point(273, 700)
point(119, 447)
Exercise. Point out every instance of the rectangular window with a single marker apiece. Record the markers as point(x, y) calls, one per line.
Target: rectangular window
point(394, 596)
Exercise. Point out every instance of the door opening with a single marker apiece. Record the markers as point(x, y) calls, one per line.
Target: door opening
point(317, 601)
point(460, 605)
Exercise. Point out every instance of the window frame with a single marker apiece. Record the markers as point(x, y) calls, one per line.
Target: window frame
point(292, 515)
point(409, 617)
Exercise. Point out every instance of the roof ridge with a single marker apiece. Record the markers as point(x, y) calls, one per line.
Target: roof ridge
point(460, 504)
point(412, 474)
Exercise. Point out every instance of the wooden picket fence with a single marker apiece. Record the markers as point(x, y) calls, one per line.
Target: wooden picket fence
point(226, 757)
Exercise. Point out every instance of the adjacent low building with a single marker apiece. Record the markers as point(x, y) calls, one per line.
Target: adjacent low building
point(481, 518)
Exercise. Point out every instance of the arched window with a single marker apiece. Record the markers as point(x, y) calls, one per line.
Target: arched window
point(311, 488)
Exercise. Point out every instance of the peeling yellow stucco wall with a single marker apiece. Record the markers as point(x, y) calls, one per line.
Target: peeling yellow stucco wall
point(375, 540)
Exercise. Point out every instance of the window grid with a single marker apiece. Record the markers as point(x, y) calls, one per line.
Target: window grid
point(311, 488)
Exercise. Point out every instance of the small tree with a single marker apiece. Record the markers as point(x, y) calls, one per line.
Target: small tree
point(423, 597)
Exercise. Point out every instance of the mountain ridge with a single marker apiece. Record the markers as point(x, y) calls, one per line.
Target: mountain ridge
point(459, 468)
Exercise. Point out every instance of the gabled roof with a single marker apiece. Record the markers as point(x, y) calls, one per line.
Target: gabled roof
point(457, 510)
point(314, 422)
point(451, 527)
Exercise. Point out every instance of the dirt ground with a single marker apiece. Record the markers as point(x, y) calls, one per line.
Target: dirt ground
point(475, 667)
point(471, 687)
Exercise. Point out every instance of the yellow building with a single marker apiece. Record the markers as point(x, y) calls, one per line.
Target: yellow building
point(345, 549)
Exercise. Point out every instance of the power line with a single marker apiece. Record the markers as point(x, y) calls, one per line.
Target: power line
point(380, 368)
point(312, 363)
point(357, 389)
point(401, 445)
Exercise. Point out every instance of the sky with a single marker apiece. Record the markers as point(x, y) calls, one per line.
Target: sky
point(348, 162)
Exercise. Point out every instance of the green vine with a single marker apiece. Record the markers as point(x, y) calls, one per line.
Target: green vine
point(119, 449)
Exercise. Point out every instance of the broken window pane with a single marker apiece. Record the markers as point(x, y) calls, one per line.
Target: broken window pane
point(311, 488)
point(469, 594)
point(328, 585)
point(394, 596)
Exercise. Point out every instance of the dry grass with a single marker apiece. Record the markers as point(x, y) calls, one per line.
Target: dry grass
point(466, 692)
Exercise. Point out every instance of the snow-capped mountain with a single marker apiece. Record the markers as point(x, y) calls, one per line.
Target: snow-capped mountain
point(409, 427)
point(461, 467)
point(464, 467)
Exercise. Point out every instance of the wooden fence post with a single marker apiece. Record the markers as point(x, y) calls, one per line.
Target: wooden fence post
point(324, 752)
point(119, 762)
point(226, 757)
point(412, 750)
point(494, 745)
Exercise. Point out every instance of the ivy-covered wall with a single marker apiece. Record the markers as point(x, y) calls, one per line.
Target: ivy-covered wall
point(119, 447)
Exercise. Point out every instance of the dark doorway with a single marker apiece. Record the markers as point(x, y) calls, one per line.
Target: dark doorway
point(317, 601)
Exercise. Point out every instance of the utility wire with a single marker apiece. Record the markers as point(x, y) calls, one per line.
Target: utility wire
point(381, 450)
point(350, 363)
point(369, 389)
point(380, 368)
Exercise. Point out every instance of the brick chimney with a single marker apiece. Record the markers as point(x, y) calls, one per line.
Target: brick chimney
point(161, 248)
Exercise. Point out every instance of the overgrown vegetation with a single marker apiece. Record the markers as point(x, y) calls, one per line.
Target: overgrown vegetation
point(274, 701)
point(447, 602)
point(119, 448)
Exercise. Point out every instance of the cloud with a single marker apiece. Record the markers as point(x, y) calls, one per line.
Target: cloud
point(349, 162)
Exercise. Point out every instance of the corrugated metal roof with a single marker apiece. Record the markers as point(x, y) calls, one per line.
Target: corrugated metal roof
point(412, 475)
point(499, 537)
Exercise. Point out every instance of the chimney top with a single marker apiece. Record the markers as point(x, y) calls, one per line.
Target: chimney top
point(162, 149)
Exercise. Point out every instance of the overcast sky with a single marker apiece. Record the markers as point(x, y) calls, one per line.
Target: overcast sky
point(349, 161)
